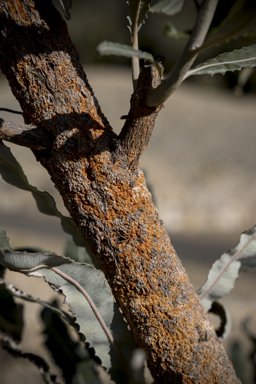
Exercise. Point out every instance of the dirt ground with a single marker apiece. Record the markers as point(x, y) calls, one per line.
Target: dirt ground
point(200, 164)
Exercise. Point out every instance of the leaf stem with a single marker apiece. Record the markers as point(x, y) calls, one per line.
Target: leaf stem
point(135, 45)
point(160, 94)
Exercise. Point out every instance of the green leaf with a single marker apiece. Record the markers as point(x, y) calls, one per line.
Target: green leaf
point(66, 6)
point(4, 240)
point(89, 298)
point(240, 20)
point(15, 292)
point(243, 78)
point(11, 314)
point(40, 363)
point(64, 350)
point(225, 326)
point(12, 173)
point(138, 10)
point(225, 270)
point(107, 48)
point(168, 7)
point(171, 31)
point(228, 61)
point(55, 334)
point(76, 253)
point(87, 374)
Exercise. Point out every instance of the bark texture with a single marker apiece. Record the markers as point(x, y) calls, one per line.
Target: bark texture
point(99, 177)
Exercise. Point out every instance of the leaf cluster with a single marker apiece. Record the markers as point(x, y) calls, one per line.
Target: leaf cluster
point(103, 333)
point(240, 21)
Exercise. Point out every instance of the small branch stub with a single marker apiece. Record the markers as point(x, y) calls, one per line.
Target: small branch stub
point(31, 136)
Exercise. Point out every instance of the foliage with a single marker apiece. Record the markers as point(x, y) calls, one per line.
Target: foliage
point(100, 327)
point(225, 270)
point(239, 356)
point(97, 317)
point(228, 61)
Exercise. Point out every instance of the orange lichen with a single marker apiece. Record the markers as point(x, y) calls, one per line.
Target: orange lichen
point(110, 202)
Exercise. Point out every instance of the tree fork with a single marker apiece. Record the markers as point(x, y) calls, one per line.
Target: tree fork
point(106, 195)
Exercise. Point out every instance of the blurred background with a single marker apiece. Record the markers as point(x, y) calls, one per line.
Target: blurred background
point(199, 165)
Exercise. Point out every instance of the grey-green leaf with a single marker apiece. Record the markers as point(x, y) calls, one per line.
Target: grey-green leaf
point(224, 328)
point(225, 270)
point(168, 7)
point(228, 61)
point(15, 292)
point(4, 240)
point(171, 31)
point(76, 253)
point(12, 173)
point(10, 346)
point(107, 48)
point(66, 6)
point(89, 298)
point(241, 19)
point(11, 314)
point(138, 10)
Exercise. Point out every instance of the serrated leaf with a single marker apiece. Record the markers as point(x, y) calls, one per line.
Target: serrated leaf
point(4, 244)
point(246, 327)
point(86, 373)
point(228, 61)
point(50, 314)
point(76, 253)
point(172, 32)
point(107, 48)
point(60, 344)
point(225, 270)
point(89, 298)
point(15, 292)
point(4, 240)
point(224, 328)
point(138, 10)
point(66, 6)
point(242, 79)
point(11, 314)
point(168, 7)
point(12, 172)
point(241, 19)
point(40, 363)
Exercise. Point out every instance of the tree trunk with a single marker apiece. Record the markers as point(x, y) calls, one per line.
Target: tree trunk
point(99, 177)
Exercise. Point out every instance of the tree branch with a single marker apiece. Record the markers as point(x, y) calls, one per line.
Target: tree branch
point(109, 203)
point(30, 136)
point(135, 45)
point(197, 5)
point(11, 111)
point(205, 15)
point(140, 121)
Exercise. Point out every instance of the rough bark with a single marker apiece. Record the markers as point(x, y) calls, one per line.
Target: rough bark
point(99, 177)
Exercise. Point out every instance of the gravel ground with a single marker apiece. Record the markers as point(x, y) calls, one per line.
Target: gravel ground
point(200, 164)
